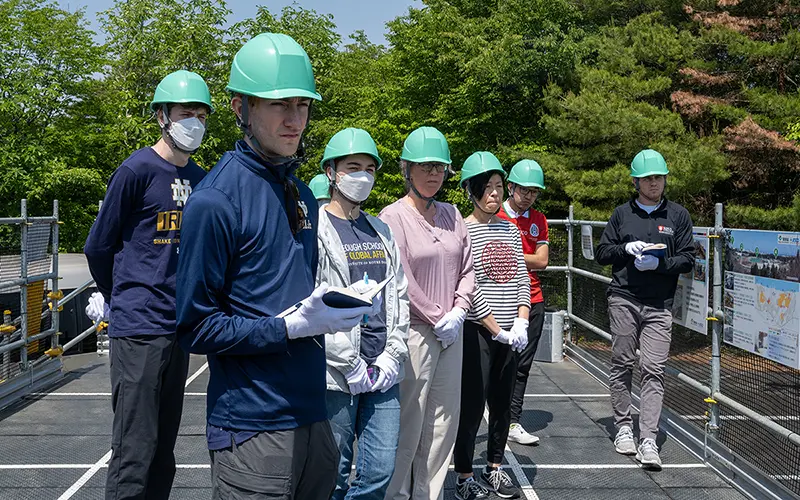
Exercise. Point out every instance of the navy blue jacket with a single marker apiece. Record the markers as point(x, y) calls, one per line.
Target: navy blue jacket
point(670, 224)
point(132, 249)
point(239, 267)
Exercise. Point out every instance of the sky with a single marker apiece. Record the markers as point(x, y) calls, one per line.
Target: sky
point(349, 15)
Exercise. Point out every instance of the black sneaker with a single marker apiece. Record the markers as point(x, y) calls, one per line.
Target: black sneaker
point(500, 482)
point(470, 489)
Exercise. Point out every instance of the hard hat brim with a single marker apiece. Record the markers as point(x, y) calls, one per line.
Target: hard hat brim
point(155, 104)
point(278, 94)
point(639, 175)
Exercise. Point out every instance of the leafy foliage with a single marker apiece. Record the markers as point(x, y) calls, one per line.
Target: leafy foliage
point(579, 85)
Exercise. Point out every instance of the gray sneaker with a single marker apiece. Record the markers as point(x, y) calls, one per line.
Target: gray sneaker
point(624, 442)
point(470, 489)
point(648, 454)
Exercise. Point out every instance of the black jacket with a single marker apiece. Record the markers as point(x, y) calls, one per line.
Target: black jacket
point(670, 224)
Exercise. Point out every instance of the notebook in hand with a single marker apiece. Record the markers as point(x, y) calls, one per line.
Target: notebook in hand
point(342, 298)
point(655, 249)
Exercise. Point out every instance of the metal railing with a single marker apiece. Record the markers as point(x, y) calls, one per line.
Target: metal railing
point(715, 431)
point(30, 350)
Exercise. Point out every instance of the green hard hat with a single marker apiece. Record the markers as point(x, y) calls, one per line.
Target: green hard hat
point(319, 186)
point(182, 87)
point(350, 141)
point(478, 163)
point(426, 144)
point(272, 66)
point(527, 173)
point(648, 162)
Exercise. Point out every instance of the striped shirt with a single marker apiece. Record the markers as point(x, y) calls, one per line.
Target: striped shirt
point(501, 278)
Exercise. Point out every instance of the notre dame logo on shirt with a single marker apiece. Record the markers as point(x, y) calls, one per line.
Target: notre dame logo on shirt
point(169, 221)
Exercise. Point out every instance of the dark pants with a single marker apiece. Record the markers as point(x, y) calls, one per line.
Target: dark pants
point(296, 464)
point(488, 374)
point(525, 359)
point(148, 376)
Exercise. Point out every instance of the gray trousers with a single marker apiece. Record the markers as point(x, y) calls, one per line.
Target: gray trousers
point(296, 464)
point(635, 325)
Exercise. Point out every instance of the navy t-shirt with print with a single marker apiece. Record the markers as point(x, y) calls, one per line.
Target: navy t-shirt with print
point(365, 254)
point(132, 249)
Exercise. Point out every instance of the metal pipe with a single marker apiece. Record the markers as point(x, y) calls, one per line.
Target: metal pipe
point(55, 318)
point(717, 326)
point(554, 269)
point(569, 260)
point(591, 327)
point(69, 345)
point(5, 338)
point(765, 422)
point(28, 279)
point(593, 223)
point(71, 295)
point(589, 274)
point(23, 290)
point(26, 340)
point(693, 383)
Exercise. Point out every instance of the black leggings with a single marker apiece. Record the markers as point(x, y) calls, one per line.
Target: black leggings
point(487, 376)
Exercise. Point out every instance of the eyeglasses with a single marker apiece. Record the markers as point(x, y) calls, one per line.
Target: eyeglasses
point(433, 167)
point(295, 213)
point(527, 191)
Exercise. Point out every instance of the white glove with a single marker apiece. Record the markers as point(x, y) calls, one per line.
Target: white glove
point(362, 288)
point(97, 310)
point(505, 337)
point(520, 330)
point(314, 317)
point(646, 262)
point(358, 379)
point(635, 247)
point(448, 328)
point(389, 370)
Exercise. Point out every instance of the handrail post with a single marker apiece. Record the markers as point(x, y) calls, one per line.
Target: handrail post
point(55, 317)
point(717, 326)
point(23, 287)
point(570, 261)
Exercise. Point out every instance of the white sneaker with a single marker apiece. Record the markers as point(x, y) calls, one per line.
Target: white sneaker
point(648, 454)
point(517, 434)
point(624, 442)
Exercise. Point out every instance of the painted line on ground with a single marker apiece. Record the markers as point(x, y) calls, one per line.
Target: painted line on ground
point(92, 394)
point(451, 467)
point(104, 460)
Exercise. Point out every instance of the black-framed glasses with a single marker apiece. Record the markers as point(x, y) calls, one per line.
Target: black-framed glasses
point(295, 213)
point(527, 191)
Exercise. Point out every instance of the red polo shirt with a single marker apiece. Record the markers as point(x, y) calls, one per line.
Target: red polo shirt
point(533, 226)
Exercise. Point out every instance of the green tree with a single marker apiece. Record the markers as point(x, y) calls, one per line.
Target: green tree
point(47, 59)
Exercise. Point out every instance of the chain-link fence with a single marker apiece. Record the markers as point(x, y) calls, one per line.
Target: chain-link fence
point(761, 385)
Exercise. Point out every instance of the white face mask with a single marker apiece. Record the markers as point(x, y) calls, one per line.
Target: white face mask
point(356, 186)
point(187, 133)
